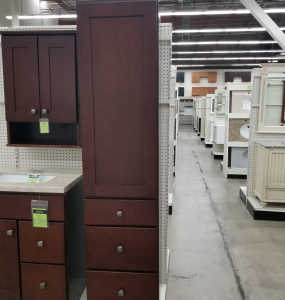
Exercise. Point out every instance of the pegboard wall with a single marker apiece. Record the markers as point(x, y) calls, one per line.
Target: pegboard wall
point(33, 157)
point(165, 40)
point(255, 136)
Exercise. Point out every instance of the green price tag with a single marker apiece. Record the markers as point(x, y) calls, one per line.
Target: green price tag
point(44, 125)
point(34, 178)
point(40, 217)
point(249, 88)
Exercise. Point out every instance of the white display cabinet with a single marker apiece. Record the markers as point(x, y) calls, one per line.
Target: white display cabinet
point(269, 173)
point(272, 109)
point(209, 120)
point(194, 114)
point(203, 117)
point(237, 126)
point(185, 111)
point(219, 123)
point(265, 153)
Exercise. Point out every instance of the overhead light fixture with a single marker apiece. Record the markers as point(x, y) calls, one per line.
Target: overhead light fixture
point(190, 65)
point(47, 16)
point(225, 43)
point(222, 52)
point(220, 30)
point(274, 60)
point(223, 58)
point(217, 12)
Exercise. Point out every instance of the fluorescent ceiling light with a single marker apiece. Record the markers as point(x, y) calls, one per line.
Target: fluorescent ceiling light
point(47, 16)
point(217, 12)
point(224, 58)
point(222, 52)
point(225, 43)
point(190, 65)
point(221, 30)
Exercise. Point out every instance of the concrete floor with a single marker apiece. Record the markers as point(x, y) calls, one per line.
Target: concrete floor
point(217, 251)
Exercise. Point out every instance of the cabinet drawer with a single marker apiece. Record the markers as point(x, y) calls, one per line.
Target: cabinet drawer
point(53, 278)
point(133, 212)
point(139, 248)
point(133, 286)
point(18, 207)
point(276, 194)
point(42, 245)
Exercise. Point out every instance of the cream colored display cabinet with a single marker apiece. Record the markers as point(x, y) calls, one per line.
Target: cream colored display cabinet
point(269, 173)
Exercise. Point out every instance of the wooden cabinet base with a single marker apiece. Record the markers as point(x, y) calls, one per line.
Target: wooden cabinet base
point(43, 282)
point(129, 286)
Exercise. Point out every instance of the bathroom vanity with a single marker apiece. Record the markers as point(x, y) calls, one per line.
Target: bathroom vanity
point(41, 263)
point(269, 172)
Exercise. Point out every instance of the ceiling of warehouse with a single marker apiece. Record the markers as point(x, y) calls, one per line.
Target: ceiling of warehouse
point(242, 56)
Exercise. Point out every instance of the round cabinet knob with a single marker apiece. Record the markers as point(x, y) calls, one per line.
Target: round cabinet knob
point(121, 293)
point(40, 244)
point(120, 249)
point(44, 112)
point(33, 111)
point(10, 232)
point(119, 214)
point(42, 285)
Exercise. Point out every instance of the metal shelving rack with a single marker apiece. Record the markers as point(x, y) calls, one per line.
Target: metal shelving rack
point(219, 122)
point(166, 145)
point(209, 123)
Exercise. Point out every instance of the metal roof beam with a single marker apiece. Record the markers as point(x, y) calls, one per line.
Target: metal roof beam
point(262, 17)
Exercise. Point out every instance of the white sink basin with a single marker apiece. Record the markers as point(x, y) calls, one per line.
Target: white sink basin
point(23, 178)
point(244, 131)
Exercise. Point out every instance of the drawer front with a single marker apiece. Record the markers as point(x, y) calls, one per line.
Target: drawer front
point(276, 194)
point(138, 252)
point(43, 282)
point(121, 212)
point(42, 245)
point(18, 207)
point(114, 285)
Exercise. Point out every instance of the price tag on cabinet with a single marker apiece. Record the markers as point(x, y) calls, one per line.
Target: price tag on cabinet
point(40, 213)
point(44, 126)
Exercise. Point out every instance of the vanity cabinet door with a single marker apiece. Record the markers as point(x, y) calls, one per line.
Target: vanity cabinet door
point(57, 78)
point(9, 262)
point(118, 88)
point(21, 80)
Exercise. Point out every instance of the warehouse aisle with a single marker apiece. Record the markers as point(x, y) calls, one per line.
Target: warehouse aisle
point(217, 251)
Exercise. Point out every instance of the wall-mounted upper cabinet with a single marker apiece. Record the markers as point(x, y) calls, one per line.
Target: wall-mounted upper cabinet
point(39, 71)
point(40, 78)
point(230, 76)
point(212, 76)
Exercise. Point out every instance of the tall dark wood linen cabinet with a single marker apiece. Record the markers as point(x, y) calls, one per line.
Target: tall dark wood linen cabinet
point(118, 91)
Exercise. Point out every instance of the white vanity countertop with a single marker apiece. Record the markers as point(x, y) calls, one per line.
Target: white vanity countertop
point(271, 144)
point(64, 180)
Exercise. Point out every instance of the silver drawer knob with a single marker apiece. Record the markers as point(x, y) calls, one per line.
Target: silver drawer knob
point(42, 285)
point(120, 249)
point(33, 111)
point(44, 112)
point(121, 293)
point(40, 244)
point(119, 214)
point(9, 232)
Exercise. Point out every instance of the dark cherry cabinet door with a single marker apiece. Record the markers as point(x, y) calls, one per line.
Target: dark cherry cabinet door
point(9, 261)
point(118, 90)
point(57, 78)
point(21, 82)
